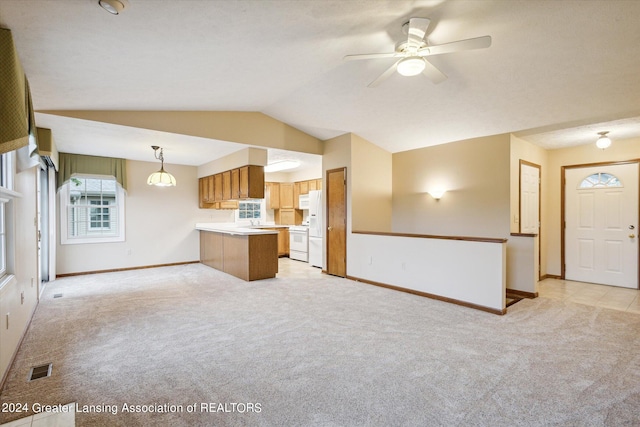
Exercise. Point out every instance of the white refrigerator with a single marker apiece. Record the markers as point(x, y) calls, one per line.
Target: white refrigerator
point(315, 228)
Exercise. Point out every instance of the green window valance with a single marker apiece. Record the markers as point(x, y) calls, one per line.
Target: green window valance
point(15, 99)
point(91, 165)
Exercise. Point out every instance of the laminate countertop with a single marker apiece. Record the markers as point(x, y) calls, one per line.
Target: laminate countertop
point(237, 231)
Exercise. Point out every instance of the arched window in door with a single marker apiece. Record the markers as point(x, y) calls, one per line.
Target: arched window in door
point(600, 180)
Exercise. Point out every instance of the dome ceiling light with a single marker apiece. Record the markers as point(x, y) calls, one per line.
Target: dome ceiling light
point(114, 7)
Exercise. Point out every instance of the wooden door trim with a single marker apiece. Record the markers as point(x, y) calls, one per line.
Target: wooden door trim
point(539, 167)
point(562, 207)
point(326, 216)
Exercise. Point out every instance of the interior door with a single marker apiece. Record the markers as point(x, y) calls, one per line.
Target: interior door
point(601, 220)
point(529, 198)
point(337, 222)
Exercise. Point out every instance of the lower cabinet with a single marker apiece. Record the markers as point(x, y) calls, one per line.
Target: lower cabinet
point(283, 240)
point(248, 257)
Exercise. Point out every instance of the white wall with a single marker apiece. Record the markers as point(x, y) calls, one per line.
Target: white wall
point(15, 312)
point(432, 266)
point(159, 225)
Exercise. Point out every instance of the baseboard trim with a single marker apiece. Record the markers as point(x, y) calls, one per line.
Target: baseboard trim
point(523, 294)
point(114, 270)
point(432, 296)
point(5, 375)
point(550, 276)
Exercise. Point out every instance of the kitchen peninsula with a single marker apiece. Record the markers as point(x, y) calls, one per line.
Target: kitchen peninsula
point(247, 253)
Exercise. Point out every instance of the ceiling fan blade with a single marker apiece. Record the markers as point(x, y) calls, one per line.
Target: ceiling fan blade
point(434, 74)
point(388, 72)
point(469, 44)
point(417, 30)
point(371, 56)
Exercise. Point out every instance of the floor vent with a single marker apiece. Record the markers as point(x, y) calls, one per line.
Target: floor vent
point(57, 295)
point(41, 371)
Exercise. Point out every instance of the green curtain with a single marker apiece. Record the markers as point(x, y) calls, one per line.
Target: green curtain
point(91, 165)
point(14, 97)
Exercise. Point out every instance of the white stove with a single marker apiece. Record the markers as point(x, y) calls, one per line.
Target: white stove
point(299, 242)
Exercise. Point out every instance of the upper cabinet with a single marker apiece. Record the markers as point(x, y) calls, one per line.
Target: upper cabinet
point(251, 182)
point(272, 195)
point(310, 185)
point(286, 195)
point(215, 191)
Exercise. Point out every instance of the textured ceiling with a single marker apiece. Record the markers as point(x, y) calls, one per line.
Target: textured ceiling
point(557, 71)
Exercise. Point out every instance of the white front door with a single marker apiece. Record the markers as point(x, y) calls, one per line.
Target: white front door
point(601, 220)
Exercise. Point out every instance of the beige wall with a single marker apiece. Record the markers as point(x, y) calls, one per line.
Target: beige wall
point(524, 150)
point(244, 127)
point(372, 186)
point(159, 225)
point(476, 175)
point(585, 154)
point(243, 157)
point(337, 154)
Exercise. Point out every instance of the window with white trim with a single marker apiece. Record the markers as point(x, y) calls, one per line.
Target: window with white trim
point(6, 183)
point(3, 239)
point(92, 210)
point(251, 210)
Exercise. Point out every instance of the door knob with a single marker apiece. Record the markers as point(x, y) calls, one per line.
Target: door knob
point(329, 228)
point(631, 236)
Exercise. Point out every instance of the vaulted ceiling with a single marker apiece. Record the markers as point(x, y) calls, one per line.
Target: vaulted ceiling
point(557, 72)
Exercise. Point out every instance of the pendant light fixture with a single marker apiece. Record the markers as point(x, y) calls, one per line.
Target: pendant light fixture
point(160, 178)
point(603, 141)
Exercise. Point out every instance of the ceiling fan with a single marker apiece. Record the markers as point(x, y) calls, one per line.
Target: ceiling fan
point(413, 52)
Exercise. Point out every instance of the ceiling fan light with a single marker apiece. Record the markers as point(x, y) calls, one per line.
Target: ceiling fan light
point(411, 66)
point(603, 141)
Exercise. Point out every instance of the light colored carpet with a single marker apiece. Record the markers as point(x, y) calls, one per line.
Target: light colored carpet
point(322, 351)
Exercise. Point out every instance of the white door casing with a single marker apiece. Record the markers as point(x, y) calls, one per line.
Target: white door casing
point(529, 199)
point(601, 225)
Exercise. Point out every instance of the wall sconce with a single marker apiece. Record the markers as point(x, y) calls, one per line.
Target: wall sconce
point(436, 194)
point(160, 178)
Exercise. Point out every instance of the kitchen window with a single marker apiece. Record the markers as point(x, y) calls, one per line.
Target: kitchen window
point(250, 211)
point(92, 210)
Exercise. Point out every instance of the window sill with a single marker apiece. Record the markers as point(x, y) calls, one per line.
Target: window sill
point(10, 194)
point(5, 280)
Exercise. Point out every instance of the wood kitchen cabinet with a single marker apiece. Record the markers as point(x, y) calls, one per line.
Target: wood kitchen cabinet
point(304, 187)
point(272, 195)
point(288, 217)
point(283, 240)
point(249, 257)
point(251, 182)
point(286, 195)
point(217, 178)
point(202, 193)
point(313, 185)
point(235, 184)
point(226, 185)
point(211, 197)
point(296, 195)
